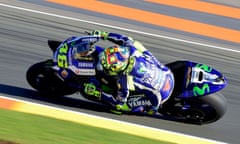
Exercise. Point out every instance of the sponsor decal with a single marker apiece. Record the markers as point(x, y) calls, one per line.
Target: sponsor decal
point(64, 73)
point(154, 77)
point(83, 71)
point(135, 102)
point(89, 39)
point(85, 64)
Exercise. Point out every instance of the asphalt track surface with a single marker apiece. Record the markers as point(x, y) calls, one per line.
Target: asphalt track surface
point(23, 37)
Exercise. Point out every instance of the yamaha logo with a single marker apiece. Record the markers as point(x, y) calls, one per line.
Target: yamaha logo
point(139, 102)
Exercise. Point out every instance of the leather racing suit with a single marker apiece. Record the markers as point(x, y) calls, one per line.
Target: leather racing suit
point(144, 74)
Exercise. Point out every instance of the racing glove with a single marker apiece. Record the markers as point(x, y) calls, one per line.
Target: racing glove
point(102, 34)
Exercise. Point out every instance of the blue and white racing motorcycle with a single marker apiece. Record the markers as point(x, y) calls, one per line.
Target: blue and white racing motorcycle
point(195, 99)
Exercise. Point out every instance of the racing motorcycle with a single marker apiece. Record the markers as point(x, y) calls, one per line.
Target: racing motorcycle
point(195, 98)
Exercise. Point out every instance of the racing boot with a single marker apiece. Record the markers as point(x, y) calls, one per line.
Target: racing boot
point(118, 106)
point(152, 111)
point(121, 103)
point(122, 107)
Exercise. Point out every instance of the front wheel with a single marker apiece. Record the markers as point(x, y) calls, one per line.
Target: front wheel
point(41, 77)
point(202, 110)
point(213, 106)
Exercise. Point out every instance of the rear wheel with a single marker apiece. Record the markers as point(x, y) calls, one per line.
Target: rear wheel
point(41, 77)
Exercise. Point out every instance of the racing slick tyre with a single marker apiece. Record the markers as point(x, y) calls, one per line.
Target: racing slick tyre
point(42, 78)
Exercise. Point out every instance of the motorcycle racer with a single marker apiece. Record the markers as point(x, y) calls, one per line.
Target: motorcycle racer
point(77, 65)
point(134, 68)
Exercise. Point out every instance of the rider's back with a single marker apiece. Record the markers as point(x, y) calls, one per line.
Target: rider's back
point(147, 73)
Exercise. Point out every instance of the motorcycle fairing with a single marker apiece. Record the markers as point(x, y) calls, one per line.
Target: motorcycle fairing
point(65, 60)
point(201, 80)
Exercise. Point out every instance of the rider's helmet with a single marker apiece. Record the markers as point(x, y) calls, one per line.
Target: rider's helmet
point(115, 59)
